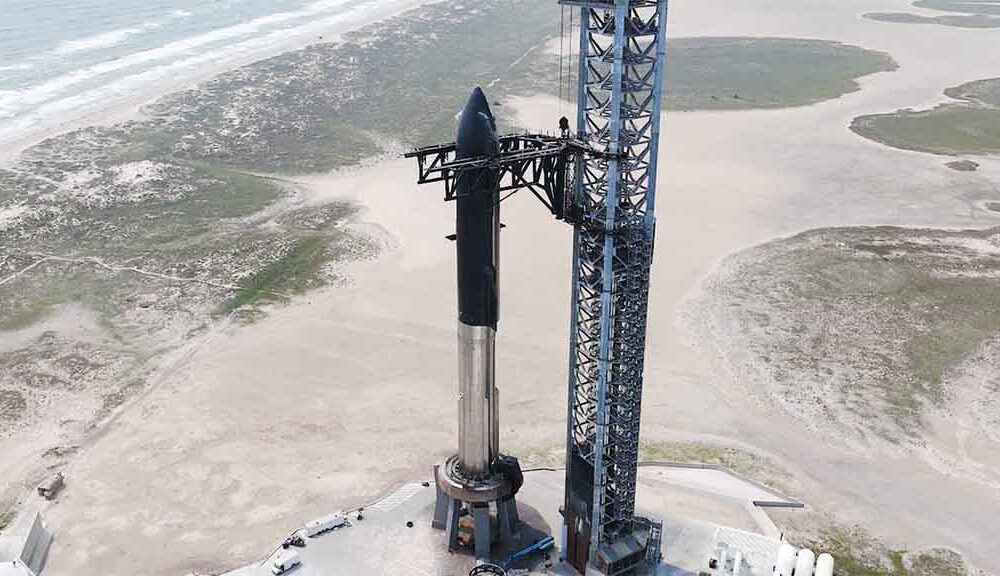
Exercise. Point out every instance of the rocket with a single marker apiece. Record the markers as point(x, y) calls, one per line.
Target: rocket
point(477, 243)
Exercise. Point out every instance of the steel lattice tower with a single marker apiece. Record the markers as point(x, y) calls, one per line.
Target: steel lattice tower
point(620, 93)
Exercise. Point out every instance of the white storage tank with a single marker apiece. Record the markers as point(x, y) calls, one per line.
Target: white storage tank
point(786, 560)
point(723, 560)
point(805, 562)
point(824, 565)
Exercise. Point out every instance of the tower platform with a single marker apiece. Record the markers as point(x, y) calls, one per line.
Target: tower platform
point(700, 508)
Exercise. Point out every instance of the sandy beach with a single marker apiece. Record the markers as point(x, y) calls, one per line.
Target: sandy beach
point(124, 99)
point(350, 390)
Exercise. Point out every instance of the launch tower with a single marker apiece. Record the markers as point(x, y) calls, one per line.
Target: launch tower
point(619, 96)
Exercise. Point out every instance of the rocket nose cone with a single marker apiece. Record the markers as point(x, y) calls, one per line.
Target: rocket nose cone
point(478, 103)
point(477, 129)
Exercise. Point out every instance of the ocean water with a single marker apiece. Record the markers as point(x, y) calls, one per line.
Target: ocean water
point(66, 59)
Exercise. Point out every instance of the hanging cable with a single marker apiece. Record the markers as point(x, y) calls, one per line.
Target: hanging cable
point(569, 83)
point(562, 39)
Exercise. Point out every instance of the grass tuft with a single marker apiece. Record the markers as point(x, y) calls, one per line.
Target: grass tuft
point(292, 273)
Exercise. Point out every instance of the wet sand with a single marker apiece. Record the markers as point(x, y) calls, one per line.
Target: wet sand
point(348, 391)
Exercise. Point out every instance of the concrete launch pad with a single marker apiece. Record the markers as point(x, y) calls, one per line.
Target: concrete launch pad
point(395, 535)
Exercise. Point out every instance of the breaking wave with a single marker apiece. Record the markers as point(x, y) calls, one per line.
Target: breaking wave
point(139, 73)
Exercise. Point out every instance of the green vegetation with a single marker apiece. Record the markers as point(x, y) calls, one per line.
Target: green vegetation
point(954, 20)
point(12, 405)
point(233, 195)
point(311, 241)
point(160, 223)
point(189, 225)
point(985, 93)
point(949, 316)
point(857, 553)
point(858, 328)
point(947, 130)
point(969, 127)
point(171, 226)
point(963, 165)
point(151, 223)
point(959, 314)
point(114, 399)
point(936, 562)
point(753, 466)
point(171, 194)
point(758, 468)
point(742, 73)
point(962, 6)
point(550, 456)
point(331, 105)
point(292, 273)
point(6, 517)
point(16, 314)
